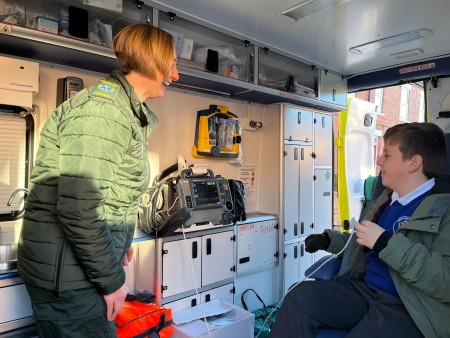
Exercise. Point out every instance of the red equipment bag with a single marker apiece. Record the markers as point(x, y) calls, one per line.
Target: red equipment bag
point(139, 320)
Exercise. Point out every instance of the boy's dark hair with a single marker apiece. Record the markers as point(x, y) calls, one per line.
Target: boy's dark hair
point(424, 139)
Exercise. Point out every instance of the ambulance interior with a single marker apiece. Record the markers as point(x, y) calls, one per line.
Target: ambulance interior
point(280, 69)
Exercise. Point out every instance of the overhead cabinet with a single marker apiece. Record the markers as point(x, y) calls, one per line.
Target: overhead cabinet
point(210, 59)
point(332, 88)
point(288, 75)
point(202, 48)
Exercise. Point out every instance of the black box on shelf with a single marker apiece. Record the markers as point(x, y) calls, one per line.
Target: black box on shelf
point(78, 22)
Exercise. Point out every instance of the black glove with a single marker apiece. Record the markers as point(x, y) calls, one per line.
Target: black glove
point(317, 242)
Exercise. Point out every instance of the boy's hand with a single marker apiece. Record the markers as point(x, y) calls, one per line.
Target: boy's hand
point(367, 233)
point(317, 242)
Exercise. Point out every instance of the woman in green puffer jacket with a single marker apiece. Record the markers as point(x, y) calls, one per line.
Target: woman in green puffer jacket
point(90, 172)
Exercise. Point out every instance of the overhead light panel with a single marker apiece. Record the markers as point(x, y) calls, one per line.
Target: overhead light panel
point(310, 7)
point(408, 53)
point(391, 41)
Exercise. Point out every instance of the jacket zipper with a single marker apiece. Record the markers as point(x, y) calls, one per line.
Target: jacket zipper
point(59, 266)
point(147, 161)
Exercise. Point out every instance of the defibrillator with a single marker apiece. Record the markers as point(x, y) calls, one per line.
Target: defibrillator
point(216, 133)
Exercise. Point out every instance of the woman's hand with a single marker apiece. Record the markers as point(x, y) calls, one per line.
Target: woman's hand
point(128, 257)
point(114, 302)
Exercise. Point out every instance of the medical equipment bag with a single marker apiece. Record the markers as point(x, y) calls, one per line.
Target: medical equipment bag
point(140, 320)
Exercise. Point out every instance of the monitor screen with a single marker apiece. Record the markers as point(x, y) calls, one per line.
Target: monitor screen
point(205, 192)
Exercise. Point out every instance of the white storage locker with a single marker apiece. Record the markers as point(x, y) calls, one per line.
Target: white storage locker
point(291, 193)
point(210, 257)
point(296, 261)
point(298, 191)
point(291, 265)
point(183, 303)
point(306, 259)
point(224, 293)
point(256, 246)
point(217, 257)
point(181, 264)
point(298, 124)
point(323, 140)
point(323, 200)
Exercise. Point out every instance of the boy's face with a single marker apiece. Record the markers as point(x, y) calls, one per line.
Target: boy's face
point(394, 169)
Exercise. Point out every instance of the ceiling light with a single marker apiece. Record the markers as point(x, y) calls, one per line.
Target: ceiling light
point(390, 41)
point(310, 7)
point(408, 53)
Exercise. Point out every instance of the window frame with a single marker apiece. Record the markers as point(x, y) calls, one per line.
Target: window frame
point(405, 89)
point(29, 150)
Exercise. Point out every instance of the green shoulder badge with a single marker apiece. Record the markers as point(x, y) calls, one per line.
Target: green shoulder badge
point(106, 89)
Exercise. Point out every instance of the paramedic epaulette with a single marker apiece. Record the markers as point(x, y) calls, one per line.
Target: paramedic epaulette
point(106, 89)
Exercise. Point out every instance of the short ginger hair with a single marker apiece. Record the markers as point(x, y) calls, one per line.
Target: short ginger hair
point(145, 49)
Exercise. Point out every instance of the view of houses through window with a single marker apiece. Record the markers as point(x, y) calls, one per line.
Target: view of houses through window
point(396, 104)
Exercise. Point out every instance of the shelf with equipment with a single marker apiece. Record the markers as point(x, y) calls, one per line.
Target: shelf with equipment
point(205, 49)
point(286, 74)
point(236, 64)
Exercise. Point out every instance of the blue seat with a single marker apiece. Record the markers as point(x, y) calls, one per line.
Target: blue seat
point(331, 333)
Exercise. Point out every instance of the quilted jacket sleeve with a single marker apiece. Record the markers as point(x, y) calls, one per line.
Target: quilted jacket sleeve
point(92, 138)
point(426, 266)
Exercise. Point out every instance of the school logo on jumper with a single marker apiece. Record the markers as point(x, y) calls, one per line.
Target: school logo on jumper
point(399, 223)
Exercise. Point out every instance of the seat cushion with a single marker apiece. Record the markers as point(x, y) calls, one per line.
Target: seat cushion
point(331, 333)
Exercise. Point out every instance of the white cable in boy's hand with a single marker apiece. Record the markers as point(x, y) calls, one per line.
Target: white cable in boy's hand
point(367, 233)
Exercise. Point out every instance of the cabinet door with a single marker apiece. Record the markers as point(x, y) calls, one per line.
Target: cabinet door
point(332, 88)
point(224, 293)
point(180, 258)
point(291, 265)
point(256, 245)
point(306, 259)
point(298, 124)
point(16, 303)
point(323, 199)
point(217, 257)
point(183, 303)
point(306, 188)
point(323, 140)
point(291, 181)
point(323, 204)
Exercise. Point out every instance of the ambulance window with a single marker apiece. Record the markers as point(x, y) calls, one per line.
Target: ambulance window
point(379, 100)
point(16, 134)
point(404, 102)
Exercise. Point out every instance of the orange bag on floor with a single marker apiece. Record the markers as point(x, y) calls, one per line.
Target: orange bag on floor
point(139, 320)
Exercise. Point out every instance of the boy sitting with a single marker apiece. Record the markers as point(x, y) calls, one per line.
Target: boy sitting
point(397, 280)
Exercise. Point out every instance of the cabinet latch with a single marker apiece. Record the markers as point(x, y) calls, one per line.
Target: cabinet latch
point(233, 238)
point(165, 252)
point(163, 288)
point(233, 268)
point(171, 16)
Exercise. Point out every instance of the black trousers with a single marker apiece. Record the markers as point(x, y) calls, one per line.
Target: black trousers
point(343, 304)
point(70, 314)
